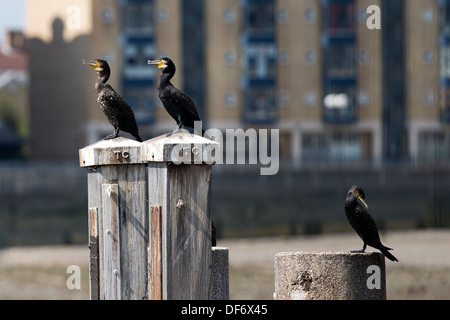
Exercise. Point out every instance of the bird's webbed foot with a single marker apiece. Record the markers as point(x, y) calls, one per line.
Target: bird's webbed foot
point(111, 136)
point(114, 135)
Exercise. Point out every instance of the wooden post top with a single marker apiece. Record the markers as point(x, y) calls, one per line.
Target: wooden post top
point(114, 151)
point(180, 147)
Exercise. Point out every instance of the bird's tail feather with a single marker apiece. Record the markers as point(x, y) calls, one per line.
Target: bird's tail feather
point(388, 255)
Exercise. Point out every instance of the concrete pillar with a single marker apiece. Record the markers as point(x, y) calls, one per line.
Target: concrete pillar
point(330, 276)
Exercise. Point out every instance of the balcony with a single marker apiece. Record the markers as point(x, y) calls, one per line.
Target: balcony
point(339, 108)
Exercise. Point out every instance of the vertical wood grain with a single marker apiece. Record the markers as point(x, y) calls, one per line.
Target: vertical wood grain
point(94, 286)
point(112, 271)
point(155, 252)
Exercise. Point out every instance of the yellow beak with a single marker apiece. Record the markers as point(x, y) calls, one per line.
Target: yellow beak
point(363, 202)
point(158, 62)
point(92, 63)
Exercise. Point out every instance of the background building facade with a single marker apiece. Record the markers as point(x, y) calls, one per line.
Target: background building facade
point(340, 92)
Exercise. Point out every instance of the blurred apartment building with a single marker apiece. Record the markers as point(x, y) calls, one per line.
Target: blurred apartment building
point(13, 96)
point(338, 91)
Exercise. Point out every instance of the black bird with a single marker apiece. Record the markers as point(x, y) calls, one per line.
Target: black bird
point(362, 221)
point(177, 103)
point(116, 109)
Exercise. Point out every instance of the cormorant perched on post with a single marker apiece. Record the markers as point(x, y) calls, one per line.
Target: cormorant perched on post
point(177, 103)
point(362, 221)
point(116, 109)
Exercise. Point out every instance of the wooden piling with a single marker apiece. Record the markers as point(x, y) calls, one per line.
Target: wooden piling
point(150, 219)
point(179, 173)
point(118, 219)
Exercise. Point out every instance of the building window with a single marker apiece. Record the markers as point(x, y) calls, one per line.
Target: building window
point(434, 146)
point(334, 146)
point(339, 104)
point(131, 53)
point(309, 15)
point(137, 47)
point(261, 60)
point(283, 99)
point(259, 16)
point(259, 56)
point(427, 15)
point(161, 15)
point(137, 18)
point(230, 57)
point(283, 57)
point(311, 99)
point(108, 15)
point(341, 17)
point(341, 61)
point(444, 60)
point(363, 57)
point(429, 99)
point(230, 100)
point(363, 99)
point(339, 67)
point(259, 105)
point(142, 103)
point(310, 56)
point(282, 15)
point(427, 57)
point(229, 16)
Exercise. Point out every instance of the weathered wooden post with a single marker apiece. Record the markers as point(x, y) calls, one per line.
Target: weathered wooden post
point(179, 192)
point(150, 219)
point(330, 276)
point(118, 219)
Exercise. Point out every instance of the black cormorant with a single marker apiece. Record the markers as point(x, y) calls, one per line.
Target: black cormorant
point(177, 103)
point(116, 109)
point(362, 221)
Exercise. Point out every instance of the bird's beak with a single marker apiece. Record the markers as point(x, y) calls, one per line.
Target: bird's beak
point(92, 63)
point(158, 62)
point(362, 201)
point(358, 197)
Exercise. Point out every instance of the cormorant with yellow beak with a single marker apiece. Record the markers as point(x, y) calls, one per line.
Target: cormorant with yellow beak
point(116, 109)
point(178, 104)
point(363, 223)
